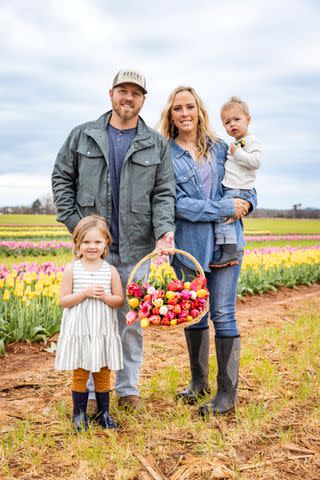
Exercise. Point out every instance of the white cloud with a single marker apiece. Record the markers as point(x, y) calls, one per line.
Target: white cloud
point(23, 189)
point(58, 61)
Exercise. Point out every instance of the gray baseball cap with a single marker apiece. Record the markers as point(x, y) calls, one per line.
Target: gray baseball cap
point(130, 76)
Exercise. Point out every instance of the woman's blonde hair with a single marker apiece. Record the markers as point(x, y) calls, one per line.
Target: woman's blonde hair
point(235, 101)
point(84, 226)
point(205, 135)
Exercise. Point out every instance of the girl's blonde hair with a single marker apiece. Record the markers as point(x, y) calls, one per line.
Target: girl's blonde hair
point(235, 101)
point(205, 135)
point(89, 223)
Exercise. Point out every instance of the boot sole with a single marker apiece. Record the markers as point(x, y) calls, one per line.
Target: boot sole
point(217, 413)
point(194, 399)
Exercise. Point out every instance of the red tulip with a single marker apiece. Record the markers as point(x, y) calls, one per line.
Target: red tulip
point(155, 319)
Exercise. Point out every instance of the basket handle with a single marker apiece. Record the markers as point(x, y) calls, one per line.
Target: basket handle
point(198, 268)
point(153, 254)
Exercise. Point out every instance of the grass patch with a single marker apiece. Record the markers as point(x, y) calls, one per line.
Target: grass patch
point(278, 410)
point(281, 243)
point(281, 226)
point(28, 219)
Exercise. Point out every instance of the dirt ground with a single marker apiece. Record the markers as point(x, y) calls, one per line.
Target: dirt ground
point(29, 384)
point(24, 365)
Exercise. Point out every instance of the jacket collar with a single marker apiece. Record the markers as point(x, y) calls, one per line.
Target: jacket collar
point(178, 151)
point(97, 129)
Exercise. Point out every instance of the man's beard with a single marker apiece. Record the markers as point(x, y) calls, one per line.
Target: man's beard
point(125, 115)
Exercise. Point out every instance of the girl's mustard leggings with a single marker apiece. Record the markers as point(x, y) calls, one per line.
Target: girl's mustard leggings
point(101, 380)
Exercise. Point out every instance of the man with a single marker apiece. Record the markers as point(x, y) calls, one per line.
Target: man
point(120, 168)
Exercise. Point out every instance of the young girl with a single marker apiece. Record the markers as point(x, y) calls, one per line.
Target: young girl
point(243, 160)
point(89, 340)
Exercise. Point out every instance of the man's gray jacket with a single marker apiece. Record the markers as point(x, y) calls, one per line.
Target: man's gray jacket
point(81, 185)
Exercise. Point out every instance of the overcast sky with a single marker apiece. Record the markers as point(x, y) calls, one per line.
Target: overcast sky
point(58, 59)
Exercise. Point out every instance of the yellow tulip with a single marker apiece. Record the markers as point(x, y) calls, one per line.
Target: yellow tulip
point(10, 281)
point(170, 295)
point(202, 293)
point(6, 295)
point(133, 302)
point(144, 322)
point(157, 302)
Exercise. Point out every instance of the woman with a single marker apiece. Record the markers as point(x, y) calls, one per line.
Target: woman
point(198, 157)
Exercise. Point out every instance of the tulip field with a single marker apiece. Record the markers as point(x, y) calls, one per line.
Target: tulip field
point(32, 258)
point(275, 430)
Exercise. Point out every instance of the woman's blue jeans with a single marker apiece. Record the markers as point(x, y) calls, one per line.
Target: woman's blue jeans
point(222, 284)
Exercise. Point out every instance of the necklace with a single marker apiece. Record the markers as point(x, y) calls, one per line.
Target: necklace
point(191, 147)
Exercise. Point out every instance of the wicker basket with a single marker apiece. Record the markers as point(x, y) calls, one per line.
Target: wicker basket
point(198, 268)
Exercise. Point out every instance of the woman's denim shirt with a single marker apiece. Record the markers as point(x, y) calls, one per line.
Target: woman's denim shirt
point(195, 214)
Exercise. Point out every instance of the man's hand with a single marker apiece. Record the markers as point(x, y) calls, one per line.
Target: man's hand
point(164, 244)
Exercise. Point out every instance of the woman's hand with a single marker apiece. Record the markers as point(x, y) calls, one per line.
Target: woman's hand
point(241, 208)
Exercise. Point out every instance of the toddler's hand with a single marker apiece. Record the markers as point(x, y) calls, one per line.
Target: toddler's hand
point(231, 220)
point(95, 291)
point(233, 148)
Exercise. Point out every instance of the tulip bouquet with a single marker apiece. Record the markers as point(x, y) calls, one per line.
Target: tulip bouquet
point(165, 300)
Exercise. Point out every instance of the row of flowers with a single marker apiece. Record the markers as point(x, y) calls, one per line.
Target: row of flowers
point(272, 238)
point(8, 247)
point(29, 292)
point(160, 275)
point(280, 256)
point(43, 245)
point(29, 281)
point(32, 233)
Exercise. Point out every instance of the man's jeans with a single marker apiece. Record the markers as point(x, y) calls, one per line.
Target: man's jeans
point(222, 284)
point(127, 379)
point(225, 232)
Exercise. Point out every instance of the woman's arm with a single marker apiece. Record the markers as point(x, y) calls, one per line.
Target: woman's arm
point(116, 298)
point(198, 210)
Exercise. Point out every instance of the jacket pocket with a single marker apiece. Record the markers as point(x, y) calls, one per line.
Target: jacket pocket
point(141, 208)
point(185, 176)
point(89, 151)
point(85, 199)
point(140, 224)
point(145, 160)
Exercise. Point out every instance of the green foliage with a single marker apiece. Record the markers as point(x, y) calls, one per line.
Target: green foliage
point(281, 226)
point(281, 243)
point(28, 219)
point(34, 322)
point(263, 280)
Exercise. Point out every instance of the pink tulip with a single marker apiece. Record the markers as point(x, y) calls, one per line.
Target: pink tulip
point(131, 317)
point(186, 294)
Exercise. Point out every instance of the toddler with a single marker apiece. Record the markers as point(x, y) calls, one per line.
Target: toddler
point(89, 341)
point(243, 160)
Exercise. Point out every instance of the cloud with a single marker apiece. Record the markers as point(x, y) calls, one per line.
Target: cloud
point(22, 189)
point(58, 63)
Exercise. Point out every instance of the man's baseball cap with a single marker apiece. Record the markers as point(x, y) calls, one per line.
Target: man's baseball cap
point(130, 76)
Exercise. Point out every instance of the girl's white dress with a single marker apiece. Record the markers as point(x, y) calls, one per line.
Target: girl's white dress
point(89, 336)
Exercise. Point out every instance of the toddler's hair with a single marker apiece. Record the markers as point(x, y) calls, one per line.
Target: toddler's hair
point(88, 223)
point(235, 101)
